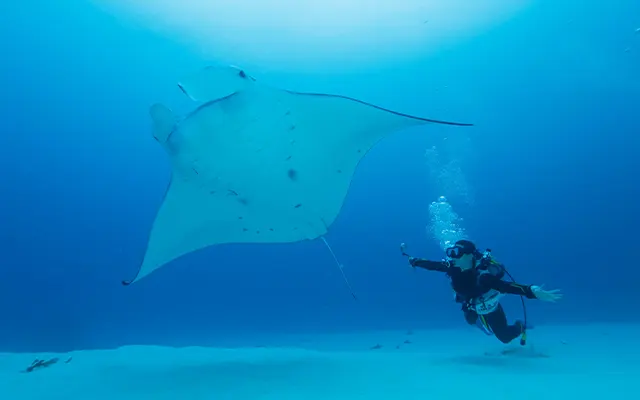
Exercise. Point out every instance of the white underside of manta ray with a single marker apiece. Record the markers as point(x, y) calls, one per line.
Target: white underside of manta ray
point(257, 164)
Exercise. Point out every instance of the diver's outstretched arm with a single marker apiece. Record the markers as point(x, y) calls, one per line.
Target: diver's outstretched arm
point(530, 291)
point(439, 266)
point(512, 288)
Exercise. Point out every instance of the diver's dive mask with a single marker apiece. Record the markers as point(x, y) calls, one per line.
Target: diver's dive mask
point(457, 252)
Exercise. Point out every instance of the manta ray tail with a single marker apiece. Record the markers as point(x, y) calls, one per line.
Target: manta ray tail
point(340, 267)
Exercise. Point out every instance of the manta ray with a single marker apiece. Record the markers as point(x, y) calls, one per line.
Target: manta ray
point(257, 164)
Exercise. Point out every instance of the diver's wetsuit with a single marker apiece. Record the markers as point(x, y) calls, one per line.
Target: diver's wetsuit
point(468, 285)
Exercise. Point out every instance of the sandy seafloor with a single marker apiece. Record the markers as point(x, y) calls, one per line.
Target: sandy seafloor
point(568, 362)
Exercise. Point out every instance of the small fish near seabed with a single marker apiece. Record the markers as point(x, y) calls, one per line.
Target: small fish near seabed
point(40, 364)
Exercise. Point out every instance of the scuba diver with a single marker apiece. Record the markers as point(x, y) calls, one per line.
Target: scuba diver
point(477, 282)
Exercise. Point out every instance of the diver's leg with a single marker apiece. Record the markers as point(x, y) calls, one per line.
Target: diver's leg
point(497, 321)
point(470, 316)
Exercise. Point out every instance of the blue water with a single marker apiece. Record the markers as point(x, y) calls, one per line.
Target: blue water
point(547, 179)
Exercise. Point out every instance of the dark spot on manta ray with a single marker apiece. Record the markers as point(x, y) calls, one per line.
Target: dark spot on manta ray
point(359, 151)
point(287, 113)
point(239, 217)
point(339, 171)
point(288, 158)
point(376, 347)
point(271, 229)
point(242, 74)
point(297, 205)
point(293, 174)
point(194, 170)
point(258, 232)
point(243, 201)
point(292, 127)
point(407, 341)
point(233, 192)
point(212, 192)
point(244, 229)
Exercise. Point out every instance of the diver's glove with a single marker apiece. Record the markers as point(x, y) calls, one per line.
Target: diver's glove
point(413, 261)
point(546, 295)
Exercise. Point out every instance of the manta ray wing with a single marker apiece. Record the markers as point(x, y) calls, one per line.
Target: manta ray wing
point(256, 164)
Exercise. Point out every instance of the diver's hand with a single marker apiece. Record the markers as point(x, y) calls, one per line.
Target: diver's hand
point(546, 295)
point(412, 261)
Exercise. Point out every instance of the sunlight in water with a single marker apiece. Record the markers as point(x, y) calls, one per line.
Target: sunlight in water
point(300, 34)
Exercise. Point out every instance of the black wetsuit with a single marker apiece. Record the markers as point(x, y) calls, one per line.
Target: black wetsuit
point(469, 285)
